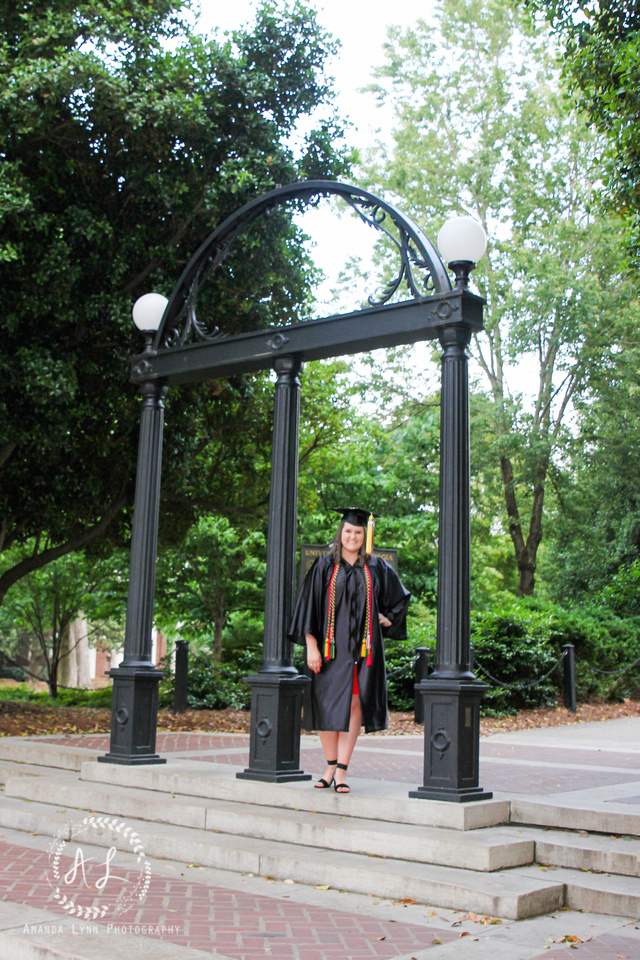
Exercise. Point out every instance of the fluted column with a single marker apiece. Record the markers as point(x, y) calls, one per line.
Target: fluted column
point(281, 541)
point(276, 690)
point(452, 643)
point(451, 695)
point(134, 708)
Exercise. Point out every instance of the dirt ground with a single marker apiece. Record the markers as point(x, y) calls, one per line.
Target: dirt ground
point(27, 719)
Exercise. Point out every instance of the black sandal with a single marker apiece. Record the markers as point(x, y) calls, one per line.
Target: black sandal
point(341, 787)
point(322, 783)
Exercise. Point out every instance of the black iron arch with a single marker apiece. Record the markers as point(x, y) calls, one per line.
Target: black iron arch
point(421, 268)
point(184, 351)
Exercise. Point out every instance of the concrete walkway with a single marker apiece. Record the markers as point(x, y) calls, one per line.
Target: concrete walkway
point(194, 912)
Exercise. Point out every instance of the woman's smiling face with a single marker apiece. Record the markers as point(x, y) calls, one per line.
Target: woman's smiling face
point(352, 538)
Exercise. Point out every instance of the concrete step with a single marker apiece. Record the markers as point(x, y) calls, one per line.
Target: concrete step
point(41, 753)
point(593, 892)
point(594, 852)
point(371, 799)
point(507, 893)
point(619, 820)
point(10, 768)
point(486, 849)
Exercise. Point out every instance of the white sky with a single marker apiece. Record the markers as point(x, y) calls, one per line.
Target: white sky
point(361, 28)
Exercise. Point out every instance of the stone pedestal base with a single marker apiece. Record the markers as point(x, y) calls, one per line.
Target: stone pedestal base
point(451, 741)
point(134, 714)
point(276, 709)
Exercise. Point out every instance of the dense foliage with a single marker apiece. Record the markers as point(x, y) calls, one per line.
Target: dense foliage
point(501, 143)
point(125, 139)
point(602, 63)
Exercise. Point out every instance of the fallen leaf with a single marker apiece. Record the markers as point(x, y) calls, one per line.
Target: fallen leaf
point(289, 881)
point(322, 886)
point(465, 933)
point(406, 900)
point(381, 938)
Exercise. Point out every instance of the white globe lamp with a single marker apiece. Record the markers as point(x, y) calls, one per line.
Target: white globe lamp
point(148, 312)
point(462, 242)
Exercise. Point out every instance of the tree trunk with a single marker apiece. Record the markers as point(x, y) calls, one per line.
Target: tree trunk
point(218, 627)
point(53, 664)
point(526, 552)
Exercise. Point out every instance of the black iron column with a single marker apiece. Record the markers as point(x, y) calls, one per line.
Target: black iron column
point(134, 706)
point(451, 696)
point(276, 691)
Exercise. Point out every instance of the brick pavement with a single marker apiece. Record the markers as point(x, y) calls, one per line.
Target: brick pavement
point(236, 923)
point(516, 768)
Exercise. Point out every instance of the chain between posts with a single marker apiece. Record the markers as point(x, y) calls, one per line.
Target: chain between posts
point(403, 666)
point(614, 673)
point(520, 686)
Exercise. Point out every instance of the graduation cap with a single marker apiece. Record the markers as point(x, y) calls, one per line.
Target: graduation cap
point(353, 515)
point(359, 518)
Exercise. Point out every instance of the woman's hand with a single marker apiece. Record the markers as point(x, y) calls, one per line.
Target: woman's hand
point(384, 620)
point(314, 659)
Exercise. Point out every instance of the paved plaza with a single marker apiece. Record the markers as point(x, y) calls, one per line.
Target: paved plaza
point(191, 911)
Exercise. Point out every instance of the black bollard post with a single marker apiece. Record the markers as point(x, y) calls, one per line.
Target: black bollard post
point(422, 672)
point(570, 701)
point(181, 685)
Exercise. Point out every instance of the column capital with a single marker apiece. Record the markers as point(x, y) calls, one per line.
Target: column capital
point(455, 339)
point(288, 367)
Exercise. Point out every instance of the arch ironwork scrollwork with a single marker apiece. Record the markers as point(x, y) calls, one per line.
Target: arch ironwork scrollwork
point(421, 270)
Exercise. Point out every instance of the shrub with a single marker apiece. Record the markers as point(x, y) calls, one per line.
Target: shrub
point(70, 697)
point(213, 686)
point(517, 646)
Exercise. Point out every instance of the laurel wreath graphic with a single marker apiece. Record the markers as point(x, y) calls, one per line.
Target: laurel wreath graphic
point(136, 893)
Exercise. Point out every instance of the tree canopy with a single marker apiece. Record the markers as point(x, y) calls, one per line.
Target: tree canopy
point(125, 138)
point(602, 64)
point(501, 143)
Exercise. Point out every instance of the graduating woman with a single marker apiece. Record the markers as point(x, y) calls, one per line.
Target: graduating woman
point(349, 600)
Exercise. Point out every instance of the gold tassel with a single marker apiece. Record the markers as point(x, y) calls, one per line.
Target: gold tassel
point(370, 528)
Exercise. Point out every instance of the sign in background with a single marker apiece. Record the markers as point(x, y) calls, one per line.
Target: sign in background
point(311, 551)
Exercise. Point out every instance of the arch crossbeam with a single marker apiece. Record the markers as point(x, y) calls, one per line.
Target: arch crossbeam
point(367, 329)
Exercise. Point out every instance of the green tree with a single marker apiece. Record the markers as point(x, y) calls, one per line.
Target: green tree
point(500, 142)
point(43, 604)
point(125, 138)
point(602, 65)
point(383, 457)
point(596, 513)
point(219, 570)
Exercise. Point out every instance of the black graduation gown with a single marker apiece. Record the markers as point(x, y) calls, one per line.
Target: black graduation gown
point(332, 687)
